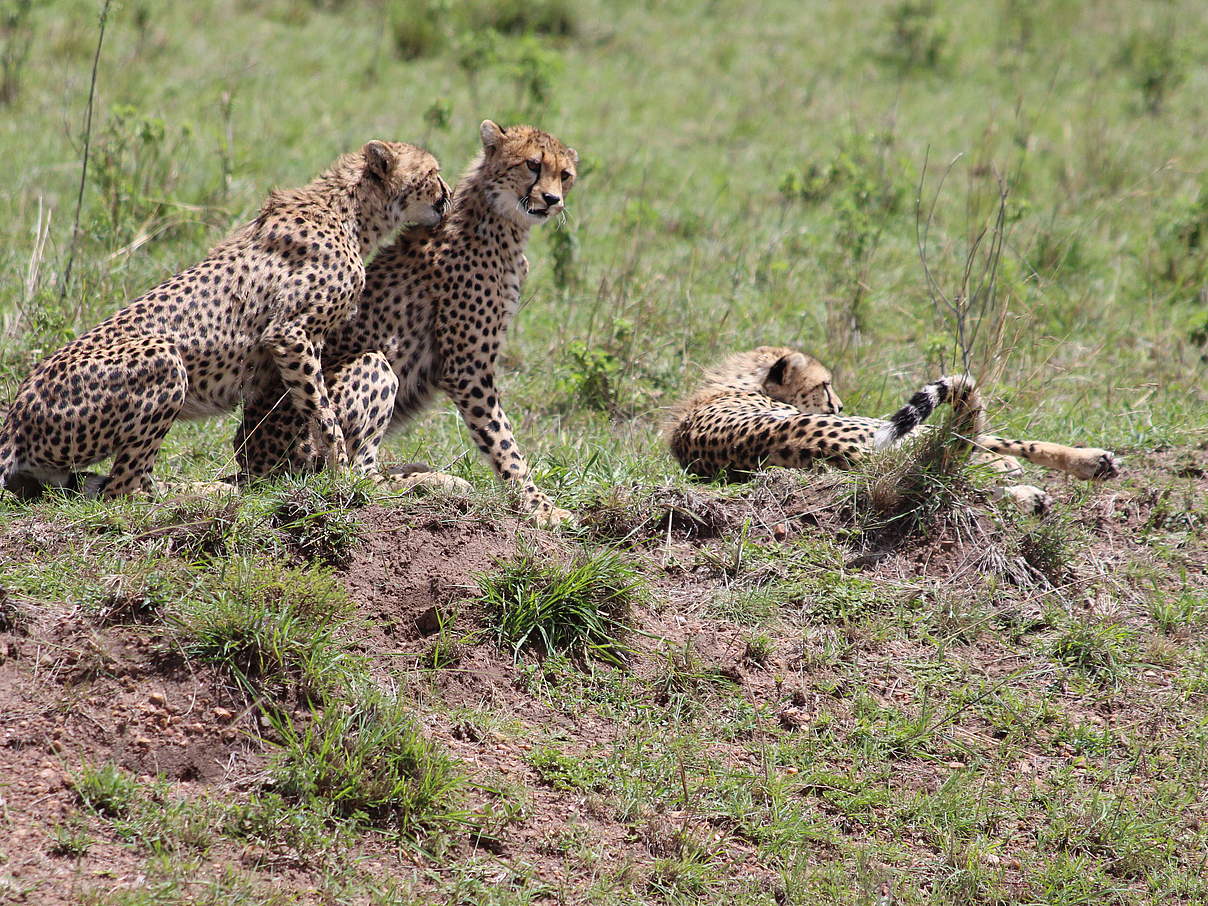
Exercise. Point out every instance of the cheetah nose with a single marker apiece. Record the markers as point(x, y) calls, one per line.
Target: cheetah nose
point(550, 198)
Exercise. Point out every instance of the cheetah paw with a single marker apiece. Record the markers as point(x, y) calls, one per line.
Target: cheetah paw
point(1094, 463)
point(543, 514)
point(406, 479)
point(1028, 498)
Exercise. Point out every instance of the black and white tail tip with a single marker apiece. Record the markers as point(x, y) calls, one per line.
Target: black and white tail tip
point(919, 409)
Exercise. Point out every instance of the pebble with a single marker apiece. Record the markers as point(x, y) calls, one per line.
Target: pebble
point(157, 699)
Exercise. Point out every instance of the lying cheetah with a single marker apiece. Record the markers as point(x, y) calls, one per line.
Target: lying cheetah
point(263, 300)
point(433, 314)
point(775, 406)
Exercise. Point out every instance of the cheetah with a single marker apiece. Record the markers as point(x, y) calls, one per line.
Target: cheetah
point(264, 299)
point(434, 311)
point(776, 406)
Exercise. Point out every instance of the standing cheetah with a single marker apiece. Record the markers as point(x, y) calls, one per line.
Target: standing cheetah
point(264, 299)
point(434, 312)
point(774, 406)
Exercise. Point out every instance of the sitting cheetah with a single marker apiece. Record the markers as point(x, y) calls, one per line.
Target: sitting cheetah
point(775, 406)
point(433, 314)
point(263, 299)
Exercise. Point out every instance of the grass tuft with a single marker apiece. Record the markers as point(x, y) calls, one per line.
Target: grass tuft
point(269, 625)
point(368, 762)
point(106, 789)
point(576, 608)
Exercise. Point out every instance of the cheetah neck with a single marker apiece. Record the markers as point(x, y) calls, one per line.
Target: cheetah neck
point(476, 222)
point(334, 196)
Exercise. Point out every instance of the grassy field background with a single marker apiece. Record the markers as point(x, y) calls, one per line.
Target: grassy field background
point(750, 175)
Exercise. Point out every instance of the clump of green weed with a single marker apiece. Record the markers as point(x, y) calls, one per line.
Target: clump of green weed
point(1156, 65)
point(106, 789)
point(269, 625)
point(1108, 827)
point(70, 839)
point(575, 608)
point(1046, 547)
point(917, 37)
point(137, 163)
point(367, 761)
point(554, 18)
point(591, 376)
point(561, 771)
point(683, 674)
point(619, 513)
point(137, 598)
point(416, 28)
point(16, 39)
point(906, 490)
point(1182, 239)
point(1099, 649)
point(316, 515)
point(759, 649)
point(1175, 612)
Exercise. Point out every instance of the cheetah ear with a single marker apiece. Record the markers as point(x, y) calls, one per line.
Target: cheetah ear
point(378, 158)
point(574, 155)
point(776, 372)
point(492, 134)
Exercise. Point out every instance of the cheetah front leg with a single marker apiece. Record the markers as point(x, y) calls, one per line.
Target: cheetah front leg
point(296, 358)
point(478, 401)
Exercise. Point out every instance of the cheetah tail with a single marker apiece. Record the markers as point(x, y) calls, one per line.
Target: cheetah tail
point(957, 389)
point(8, 459)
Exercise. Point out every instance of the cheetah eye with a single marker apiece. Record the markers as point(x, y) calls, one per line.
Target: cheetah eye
point(566, 175)
point(534, 165)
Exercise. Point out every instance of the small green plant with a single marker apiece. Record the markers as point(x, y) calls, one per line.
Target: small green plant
point(592, 376)
point(917, 36)
point(439, 115)
point(70, 839)
point(106, 789)
point(417, 28)
point(561, 771)
point(1156, 66)
point(759, 649)
point(575, 608)
point(1182, 244)
point(564, 248)
point(1046, 546)
point(316, 515)
point(552, 18)
point(136, 166)
point(13, 618)
point(534, 69)
point(367, 761)
point(1172, 613)
point(16, 39)
point(269, 625)
point(1098, 649)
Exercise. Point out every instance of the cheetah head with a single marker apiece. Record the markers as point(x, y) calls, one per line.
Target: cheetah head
point(528, 172)
point(402, 183)
point(803, 382)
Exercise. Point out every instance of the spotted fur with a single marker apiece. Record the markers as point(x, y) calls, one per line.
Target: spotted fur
point(262, 301)
point(434, 312)
point(775, 406)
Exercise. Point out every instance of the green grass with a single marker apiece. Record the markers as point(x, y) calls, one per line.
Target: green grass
point(268, 625)
point(577, 608)
point(367, 761)
point(729, 716)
